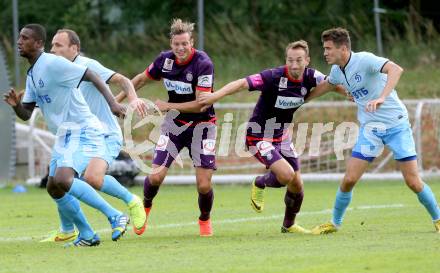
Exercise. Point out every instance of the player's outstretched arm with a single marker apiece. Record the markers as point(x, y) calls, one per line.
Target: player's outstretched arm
point(206, 98)
point(128, 89)
point(138, 82)
point(195, 106)
point(116, 108)
point(322, 88)
point(341, 91)
point(22, 110)
point(184, 107)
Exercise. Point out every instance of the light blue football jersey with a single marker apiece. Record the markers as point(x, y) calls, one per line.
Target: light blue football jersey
point(96, 101)
point(52, 83)
point(363, 78)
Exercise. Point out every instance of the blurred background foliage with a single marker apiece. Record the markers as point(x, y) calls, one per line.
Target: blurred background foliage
point(241, 36)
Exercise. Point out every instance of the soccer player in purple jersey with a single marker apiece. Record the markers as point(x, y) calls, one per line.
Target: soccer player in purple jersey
point(186, 72)
point(283, 91)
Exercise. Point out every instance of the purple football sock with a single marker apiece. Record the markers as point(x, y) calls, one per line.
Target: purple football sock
point(269, 180)
point(150, 192)
point(293, 203)
point(205, 204)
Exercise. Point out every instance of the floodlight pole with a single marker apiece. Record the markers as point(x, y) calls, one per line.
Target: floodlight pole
point(15, 31)
point(201, 25)
point(377, 11)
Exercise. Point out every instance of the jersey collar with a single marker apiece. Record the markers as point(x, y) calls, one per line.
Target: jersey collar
point(32, 66)
point(190, 57)
point(74, 59)
point(286, 73)
point(349, 59)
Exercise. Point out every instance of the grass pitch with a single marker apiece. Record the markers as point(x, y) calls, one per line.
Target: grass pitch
point(385, 230)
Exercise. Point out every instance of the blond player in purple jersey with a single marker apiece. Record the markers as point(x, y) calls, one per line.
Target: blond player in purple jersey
point(186, 72)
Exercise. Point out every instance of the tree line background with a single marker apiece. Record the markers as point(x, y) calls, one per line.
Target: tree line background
point(128, 33)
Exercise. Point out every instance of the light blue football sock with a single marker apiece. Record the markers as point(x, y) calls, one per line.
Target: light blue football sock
point(67, 225)
point(427, 198)
point(85, 193)
point(342, 201)
point(112, 187)
point(69, 207)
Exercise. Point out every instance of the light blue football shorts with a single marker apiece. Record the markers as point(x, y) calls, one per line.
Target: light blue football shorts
point(75, 148)
point(373, 137)
point(113, 144)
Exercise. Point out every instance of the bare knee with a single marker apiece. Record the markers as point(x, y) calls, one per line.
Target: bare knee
point(63, 178)
point(296, 185)
point(203, 185)
point(286, 176)
point(348, 182)
point(414, 182)
point(53, 190)
point(94, 180)
point(62, 181)
point(156, 179)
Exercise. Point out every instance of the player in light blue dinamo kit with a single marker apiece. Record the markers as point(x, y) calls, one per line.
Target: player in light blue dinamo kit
point(66, 43)
point(383, 118)
point(51, 85)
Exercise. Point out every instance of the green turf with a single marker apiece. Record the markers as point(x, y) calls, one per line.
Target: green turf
point(399, 238)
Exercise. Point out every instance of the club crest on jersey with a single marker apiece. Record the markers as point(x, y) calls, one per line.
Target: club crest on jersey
point(205, 81)
point(41, 83)
point(283, 83)
point(168, 64)
point(189, 76)
point(357, 77)
point(303, 91)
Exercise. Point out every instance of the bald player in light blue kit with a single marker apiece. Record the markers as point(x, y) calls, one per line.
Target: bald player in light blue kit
point(383, 118)
point(66, 43)
point(52, 85)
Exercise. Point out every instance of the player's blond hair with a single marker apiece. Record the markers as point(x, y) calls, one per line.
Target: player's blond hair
point(298, 44)
point(180, 27)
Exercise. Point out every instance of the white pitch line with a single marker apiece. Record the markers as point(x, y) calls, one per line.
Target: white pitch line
point(226, 221)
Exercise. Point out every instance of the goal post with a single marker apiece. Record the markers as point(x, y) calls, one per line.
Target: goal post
point(323, 134)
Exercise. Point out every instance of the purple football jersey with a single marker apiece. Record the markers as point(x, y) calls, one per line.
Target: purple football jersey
point(281, 96)
point(183, 79)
